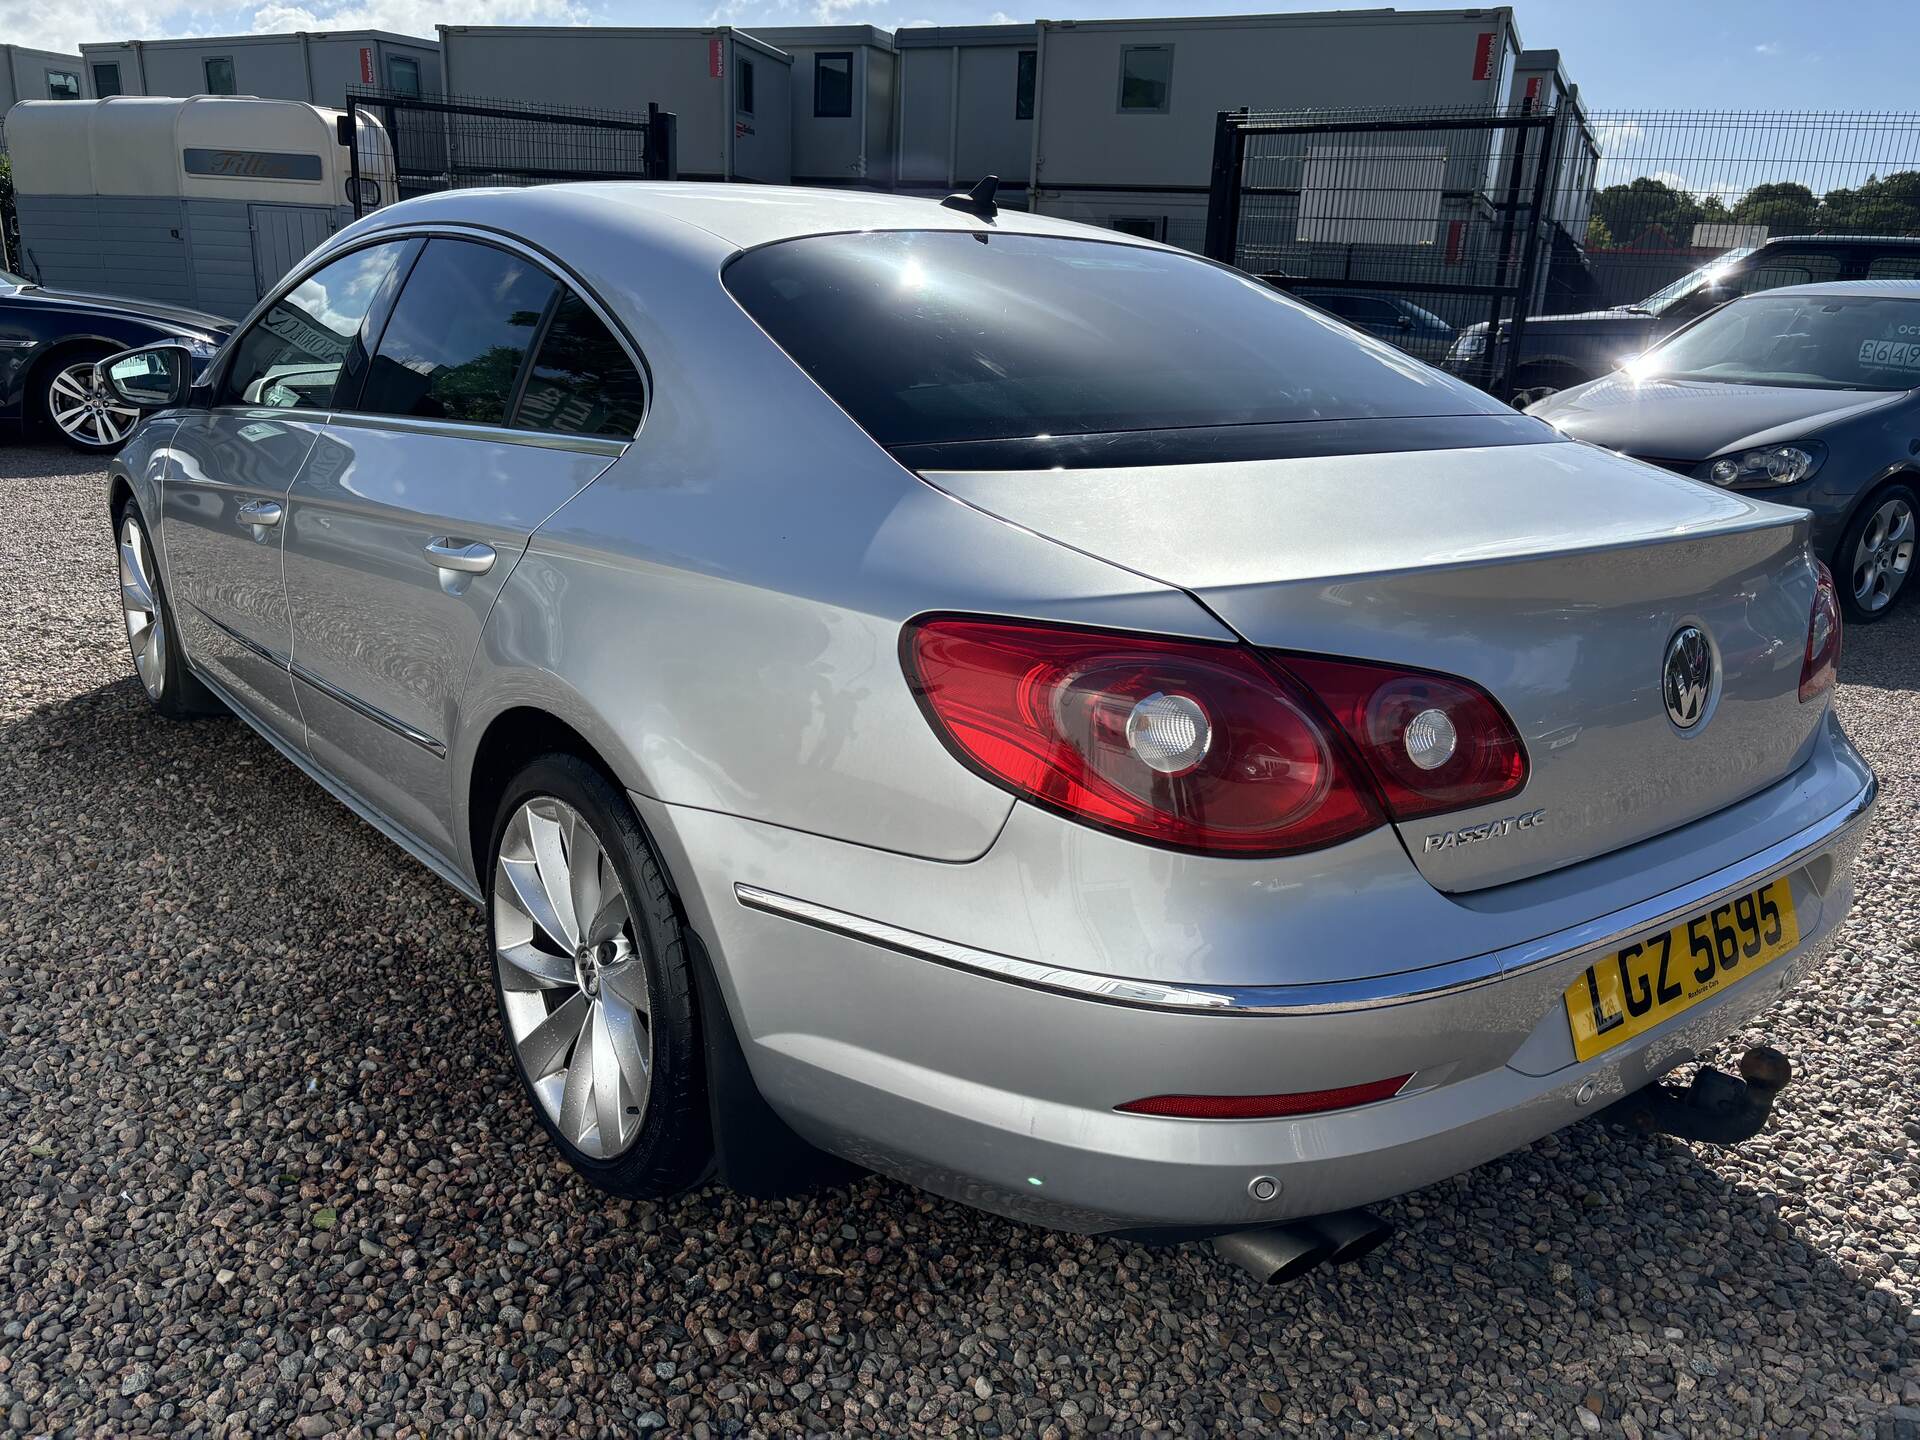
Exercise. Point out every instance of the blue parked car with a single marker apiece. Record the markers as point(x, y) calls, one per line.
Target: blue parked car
point(1808, 395)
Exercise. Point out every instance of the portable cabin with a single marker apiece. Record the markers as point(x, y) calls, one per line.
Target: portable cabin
point(842, 102)
point(312, 65)
point(1126, 108)
point(730, 91)
point(966, 107)
point(206, 201)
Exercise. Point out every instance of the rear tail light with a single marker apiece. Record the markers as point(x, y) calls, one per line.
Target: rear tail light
point(1822, 660)
point(1206, 747)
point(1432, 742)
point(1266, 1107)
point(1183, 743)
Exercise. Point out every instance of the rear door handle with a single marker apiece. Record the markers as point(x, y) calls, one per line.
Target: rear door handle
point(468, 557)
point(260, 512)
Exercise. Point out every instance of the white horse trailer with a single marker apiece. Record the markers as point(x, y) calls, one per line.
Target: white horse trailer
point(204, 202)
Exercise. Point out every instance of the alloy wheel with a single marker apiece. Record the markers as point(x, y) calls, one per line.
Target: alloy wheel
point(88, 413)
point(1884, 555)
point(572, 979)
point(140, 605)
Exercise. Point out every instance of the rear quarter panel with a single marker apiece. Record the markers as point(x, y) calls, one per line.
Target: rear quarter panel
point(721, 611)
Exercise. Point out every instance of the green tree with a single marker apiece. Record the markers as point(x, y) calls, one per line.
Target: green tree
point(1785, 207)
point(1599, 237)
point(1878, 207)
point(1645, 204)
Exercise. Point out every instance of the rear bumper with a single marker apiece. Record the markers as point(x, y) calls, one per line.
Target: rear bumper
point(997, 1087)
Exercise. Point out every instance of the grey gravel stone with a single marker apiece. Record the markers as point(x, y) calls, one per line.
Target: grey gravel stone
point(230, 1007)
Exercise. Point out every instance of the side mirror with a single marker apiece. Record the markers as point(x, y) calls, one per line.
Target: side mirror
point(153, 377)
point(1405, 322)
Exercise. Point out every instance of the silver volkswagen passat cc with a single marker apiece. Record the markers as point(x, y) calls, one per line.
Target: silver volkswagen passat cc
point(1007, 704)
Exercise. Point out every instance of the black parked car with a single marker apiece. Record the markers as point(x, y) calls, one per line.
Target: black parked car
point(1809, 396)
point(49, 340)
point(1558, 351)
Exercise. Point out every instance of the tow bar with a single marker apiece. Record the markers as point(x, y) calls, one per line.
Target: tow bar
point(1715, 1107)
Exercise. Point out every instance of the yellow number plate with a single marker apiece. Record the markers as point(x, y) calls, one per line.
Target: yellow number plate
point(1657, 977)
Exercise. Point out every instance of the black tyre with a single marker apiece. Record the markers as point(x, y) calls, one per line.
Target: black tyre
point(1874, 560)
point(593, 980)
point(152, 637)
point(84, 415)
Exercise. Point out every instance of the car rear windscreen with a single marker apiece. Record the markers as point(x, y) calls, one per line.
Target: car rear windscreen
point(944, 337)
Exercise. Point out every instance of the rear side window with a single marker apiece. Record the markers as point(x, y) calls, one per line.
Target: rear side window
point(582, 382)
point(293, 357)
point(1895, 267)
point(931, 337)
point(458, 335)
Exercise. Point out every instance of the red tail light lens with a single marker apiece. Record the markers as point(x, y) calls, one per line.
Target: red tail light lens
point(1185, 744)
point(1822, 661)
point(1266, 1107)
point(1433, 743)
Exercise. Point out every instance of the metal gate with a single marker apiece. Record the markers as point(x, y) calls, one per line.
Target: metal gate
point(1365, 213)
point(452, 142)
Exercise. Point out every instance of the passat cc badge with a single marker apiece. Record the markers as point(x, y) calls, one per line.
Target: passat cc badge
point(1687, 680)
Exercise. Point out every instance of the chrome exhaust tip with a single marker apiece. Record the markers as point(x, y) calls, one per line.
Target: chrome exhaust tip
point(1274, 1255)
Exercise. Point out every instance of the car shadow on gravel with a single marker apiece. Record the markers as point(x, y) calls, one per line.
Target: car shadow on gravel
point(222, 980)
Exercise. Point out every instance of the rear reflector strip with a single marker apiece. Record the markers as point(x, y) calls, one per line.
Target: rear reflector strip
point(1265, 1107)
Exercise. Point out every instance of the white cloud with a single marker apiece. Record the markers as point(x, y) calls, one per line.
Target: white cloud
point(841, 12)
point(412, 17)
point(63, 26)
point(1767, 47)
point(1000, 17)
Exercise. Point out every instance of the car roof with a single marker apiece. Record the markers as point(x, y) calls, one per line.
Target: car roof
point(739, 216)
point(1910, 242)
point(1873, 289)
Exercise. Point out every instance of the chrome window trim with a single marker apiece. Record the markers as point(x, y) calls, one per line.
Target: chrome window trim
point(1330, 997)
point(551, 265)
point(466, 430)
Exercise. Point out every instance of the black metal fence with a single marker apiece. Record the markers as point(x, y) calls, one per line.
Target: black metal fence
point(1418, 225)
point(454, 142)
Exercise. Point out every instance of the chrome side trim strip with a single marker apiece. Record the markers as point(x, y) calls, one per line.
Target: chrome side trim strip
point(371, 712)
point(1605, 933)
point(272, 657)
point(965, 957)
point(496, 434)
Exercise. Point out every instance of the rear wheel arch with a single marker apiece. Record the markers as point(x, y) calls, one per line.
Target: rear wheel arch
point(755, 1151)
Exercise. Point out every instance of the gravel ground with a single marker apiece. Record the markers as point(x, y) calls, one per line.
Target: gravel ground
point(263, 1168)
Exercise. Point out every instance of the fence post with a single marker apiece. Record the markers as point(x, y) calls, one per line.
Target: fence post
point(1223, 189)
point(353, 153)
point(1530, 251)
point(1499, 360)
point(663, 143)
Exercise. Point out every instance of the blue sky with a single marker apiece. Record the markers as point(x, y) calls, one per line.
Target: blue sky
point(1624, 54)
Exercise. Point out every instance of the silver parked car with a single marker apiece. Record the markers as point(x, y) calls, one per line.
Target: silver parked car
point(1010, 705)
